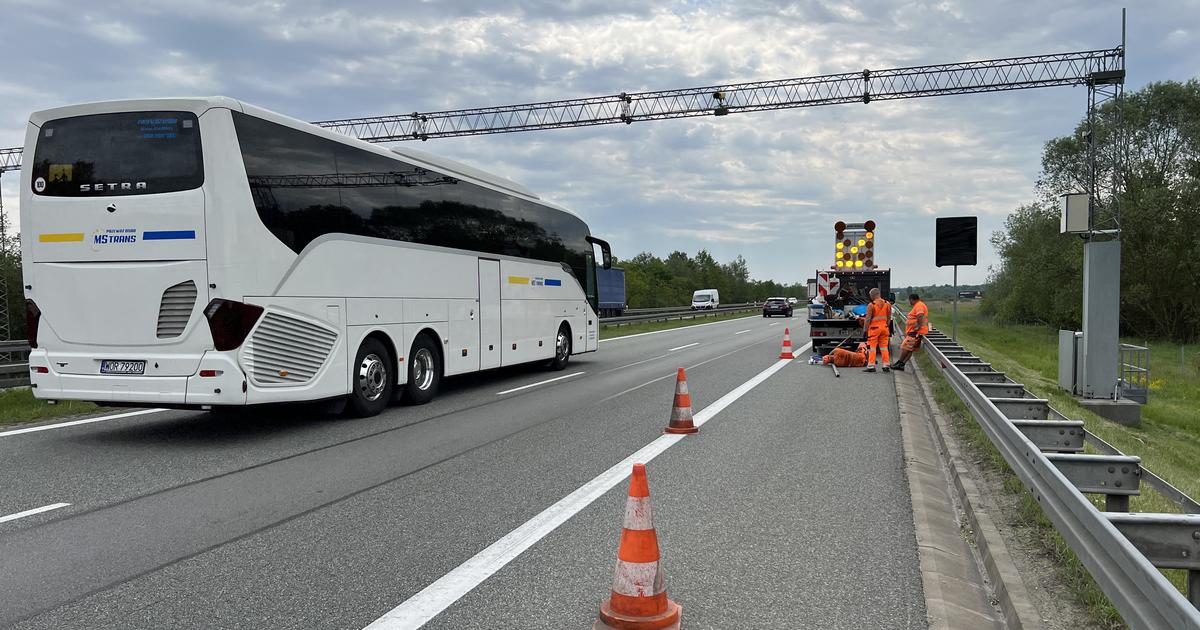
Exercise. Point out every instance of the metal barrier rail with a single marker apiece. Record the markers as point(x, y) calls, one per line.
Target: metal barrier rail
point(675, 314)
point(1121, 551)
point(633, 312)
point(13, 372)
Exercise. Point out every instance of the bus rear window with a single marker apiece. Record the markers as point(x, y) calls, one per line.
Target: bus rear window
point(127, 153)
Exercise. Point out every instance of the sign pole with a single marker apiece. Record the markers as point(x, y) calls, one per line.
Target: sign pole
point(954, 319)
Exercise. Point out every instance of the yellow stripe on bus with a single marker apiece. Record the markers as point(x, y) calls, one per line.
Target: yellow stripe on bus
point(511, 279)
point(65, 237)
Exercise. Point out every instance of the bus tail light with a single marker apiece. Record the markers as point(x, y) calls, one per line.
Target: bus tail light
point(33, 316)
point(230, 322)
point(818, 333)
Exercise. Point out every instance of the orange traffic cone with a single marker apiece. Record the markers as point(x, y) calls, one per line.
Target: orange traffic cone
point(786, 353)
point(639, 593)
point(681, 410)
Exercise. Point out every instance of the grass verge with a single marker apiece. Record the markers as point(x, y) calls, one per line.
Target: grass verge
point(613, 331)
point(18, 406)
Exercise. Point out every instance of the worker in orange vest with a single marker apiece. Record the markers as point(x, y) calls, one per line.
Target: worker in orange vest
point(879, 311)
point(914, 330)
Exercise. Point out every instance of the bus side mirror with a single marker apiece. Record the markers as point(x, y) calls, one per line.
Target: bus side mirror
point(605, 251)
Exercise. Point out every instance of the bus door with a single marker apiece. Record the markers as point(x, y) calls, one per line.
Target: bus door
point(489, 314)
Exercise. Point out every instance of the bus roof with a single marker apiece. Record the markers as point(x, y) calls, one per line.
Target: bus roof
point(199, 105)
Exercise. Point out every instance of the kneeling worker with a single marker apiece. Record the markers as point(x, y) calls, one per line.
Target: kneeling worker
point(847, 358)
point(879, 311)
point(916, 327)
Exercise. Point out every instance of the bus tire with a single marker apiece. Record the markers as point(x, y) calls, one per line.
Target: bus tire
point(372, 379)
point(562, 348)
point(424, 371)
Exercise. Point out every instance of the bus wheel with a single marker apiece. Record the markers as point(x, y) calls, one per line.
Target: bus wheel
point(562, 348)
point(424, 372)
point(372, 379)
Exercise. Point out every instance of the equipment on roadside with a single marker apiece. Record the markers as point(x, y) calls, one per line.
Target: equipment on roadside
point(681, 409)
point(639, 592)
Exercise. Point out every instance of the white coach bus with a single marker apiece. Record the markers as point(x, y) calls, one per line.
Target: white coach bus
point(205, 252)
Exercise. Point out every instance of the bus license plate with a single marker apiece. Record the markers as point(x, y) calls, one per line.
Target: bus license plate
point(122, 367)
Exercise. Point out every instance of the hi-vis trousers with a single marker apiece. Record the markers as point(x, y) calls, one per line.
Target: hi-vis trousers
point(877, 337)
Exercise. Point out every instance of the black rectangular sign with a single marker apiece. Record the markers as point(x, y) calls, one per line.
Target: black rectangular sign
point(956, 241)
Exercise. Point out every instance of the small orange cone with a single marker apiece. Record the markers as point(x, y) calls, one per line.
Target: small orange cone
point(786, 353)
point(639, 593)
point(681, 410)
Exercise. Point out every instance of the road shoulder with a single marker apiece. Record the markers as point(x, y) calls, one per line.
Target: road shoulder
point(958, 593)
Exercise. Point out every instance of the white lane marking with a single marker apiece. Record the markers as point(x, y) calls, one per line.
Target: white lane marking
point(690, 345)
point(633, 364)
point(44, 508)
point(741, 332)
point(775, 324)
point(419, 609)
point(60, 425)
point(550, 380)
point(681, 328)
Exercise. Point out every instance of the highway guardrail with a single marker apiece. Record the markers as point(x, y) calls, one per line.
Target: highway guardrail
point(673, 314)
point(1122, 551)
point(14, 371)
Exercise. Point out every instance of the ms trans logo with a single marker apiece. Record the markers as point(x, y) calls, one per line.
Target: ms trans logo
point(113, 236)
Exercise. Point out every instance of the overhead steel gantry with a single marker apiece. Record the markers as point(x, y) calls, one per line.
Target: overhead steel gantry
point(1091, 68)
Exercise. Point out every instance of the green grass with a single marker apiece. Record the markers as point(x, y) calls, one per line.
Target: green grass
point(1168, 441)
point(19, 405)
point(611, 331)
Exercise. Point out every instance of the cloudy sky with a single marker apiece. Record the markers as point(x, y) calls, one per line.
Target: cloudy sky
point(765, 185)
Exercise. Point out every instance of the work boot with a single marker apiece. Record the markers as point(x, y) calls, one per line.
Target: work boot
point(898, 366)
point(886, 369)
point(870, 369)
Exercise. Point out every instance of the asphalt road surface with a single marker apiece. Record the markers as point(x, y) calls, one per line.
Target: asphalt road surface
point(788, 510)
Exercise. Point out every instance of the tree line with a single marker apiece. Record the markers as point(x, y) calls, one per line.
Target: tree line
point(1149, 185)
point(651, 281)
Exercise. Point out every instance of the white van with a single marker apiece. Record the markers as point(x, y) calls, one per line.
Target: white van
point(705, 298)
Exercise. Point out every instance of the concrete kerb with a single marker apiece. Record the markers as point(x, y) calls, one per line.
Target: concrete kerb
point(1007, 585)
point(957, 593)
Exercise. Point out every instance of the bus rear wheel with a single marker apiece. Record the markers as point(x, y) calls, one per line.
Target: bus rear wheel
point(424, 372)
point(373, 379)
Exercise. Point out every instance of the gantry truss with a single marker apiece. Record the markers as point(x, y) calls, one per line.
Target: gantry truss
point(970, 77)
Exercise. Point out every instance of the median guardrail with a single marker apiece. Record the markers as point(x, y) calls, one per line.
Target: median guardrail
point(14, 369)
point(674, 314)
point(1121, 551)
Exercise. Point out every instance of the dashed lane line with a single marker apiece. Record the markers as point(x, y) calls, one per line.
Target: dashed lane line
point(39, 510)
point(419, 609)
point(549, 380)
point(633, 364)
point(690, 345)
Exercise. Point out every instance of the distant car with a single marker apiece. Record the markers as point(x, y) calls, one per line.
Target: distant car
point(777, 306)
point(793, 301)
